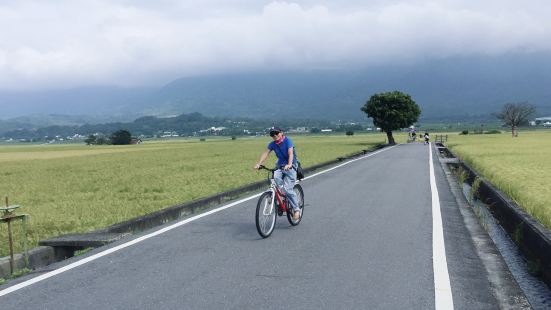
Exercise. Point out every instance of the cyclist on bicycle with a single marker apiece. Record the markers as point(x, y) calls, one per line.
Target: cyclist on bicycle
point(287, 160)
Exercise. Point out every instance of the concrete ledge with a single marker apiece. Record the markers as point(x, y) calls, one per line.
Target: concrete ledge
point(61, 247)
point(88, 240)
point(449, 160)
point(38, 257)
point(532, 238)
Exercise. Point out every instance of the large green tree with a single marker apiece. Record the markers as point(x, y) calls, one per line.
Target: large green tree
point(392, 111)
point(121, 137)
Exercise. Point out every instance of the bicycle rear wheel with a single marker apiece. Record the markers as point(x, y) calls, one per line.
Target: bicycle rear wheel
point(265, 215)
point(300, 199)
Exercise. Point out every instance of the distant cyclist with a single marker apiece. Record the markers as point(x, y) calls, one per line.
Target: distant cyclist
point(412, 135)
point(287, 161)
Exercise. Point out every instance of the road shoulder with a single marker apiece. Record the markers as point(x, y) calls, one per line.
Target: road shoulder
point(478, 274)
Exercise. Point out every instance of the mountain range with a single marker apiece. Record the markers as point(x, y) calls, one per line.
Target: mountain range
point(447, 90)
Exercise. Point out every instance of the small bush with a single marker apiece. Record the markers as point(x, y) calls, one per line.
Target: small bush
point(474, 188)
point(462, 175)
point(202, 139)
point(464, 132)
point(233, 137)
point(102, 141)
point(492, 132)
point(349, 133)
point(16, 274)
point(83, 251)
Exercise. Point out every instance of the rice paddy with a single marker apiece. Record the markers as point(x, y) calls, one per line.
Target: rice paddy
point(520, 167)
point(79, 188)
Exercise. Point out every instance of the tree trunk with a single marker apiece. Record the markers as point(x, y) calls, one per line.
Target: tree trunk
point(513, 131)
point(390, 138)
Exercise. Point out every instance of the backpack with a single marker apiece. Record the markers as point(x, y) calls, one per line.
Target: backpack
point(300, 172)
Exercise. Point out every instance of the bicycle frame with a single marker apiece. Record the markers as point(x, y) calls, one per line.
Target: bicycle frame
point(266, 214)
point(277, 193)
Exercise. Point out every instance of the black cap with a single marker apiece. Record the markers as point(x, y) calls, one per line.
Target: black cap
point(275, 130)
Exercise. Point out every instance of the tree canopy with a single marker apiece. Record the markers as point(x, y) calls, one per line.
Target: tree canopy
point(392, 111)
point(121, 137)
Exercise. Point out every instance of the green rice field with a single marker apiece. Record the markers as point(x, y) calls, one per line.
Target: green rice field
point(520, 167)
point(79, 188)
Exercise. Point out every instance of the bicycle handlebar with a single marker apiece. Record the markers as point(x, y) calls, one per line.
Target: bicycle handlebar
point(262, 167)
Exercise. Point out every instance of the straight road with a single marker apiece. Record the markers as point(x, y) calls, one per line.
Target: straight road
point(365, 242)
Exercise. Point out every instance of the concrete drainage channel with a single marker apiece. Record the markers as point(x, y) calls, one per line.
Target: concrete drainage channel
point(524, 243)
point(62, 247)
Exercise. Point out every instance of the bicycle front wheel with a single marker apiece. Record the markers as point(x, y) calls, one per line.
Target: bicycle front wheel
point(265, 215)
point(300, 199)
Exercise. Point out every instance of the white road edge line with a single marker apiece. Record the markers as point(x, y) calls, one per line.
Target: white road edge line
point(442, 289)
point(155, 233)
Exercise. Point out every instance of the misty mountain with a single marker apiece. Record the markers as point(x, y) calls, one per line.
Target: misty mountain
point(35, 121)
point(451, 89)
point(447, 90)
point(97, 104)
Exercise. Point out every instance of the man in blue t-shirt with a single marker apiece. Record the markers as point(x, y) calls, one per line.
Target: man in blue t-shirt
point(287, 161)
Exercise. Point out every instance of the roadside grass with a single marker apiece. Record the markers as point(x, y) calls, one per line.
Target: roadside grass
point(83, 251)
point(16, 274)
point(517, 166)
point(79, 188)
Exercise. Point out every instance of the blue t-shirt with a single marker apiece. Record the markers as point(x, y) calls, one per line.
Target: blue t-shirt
point(282, 151)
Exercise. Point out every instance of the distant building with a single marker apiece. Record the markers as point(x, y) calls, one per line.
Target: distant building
point(327, 130)
point(213, 130)
point(298, 130)
point(136, 141)
point(543, 121)
point(169, 134)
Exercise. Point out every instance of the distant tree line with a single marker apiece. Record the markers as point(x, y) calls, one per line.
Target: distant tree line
point(184, 124)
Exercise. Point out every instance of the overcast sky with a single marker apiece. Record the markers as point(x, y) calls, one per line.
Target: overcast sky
point(70, 43)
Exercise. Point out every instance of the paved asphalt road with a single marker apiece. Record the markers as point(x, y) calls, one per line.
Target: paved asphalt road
point(365, 243)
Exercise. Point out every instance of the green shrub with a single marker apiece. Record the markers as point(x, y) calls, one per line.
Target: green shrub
point(83, 251)
point(464, 132)
point(492, 132)
point(475, 187)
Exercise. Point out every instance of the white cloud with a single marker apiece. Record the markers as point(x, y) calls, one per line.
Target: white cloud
point(72, 43)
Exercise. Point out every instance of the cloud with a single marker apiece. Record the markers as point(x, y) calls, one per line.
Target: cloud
point(71, 43)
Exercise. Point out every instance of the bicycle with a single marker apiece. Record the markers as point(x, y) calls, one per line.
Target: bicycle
point(272, 202)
